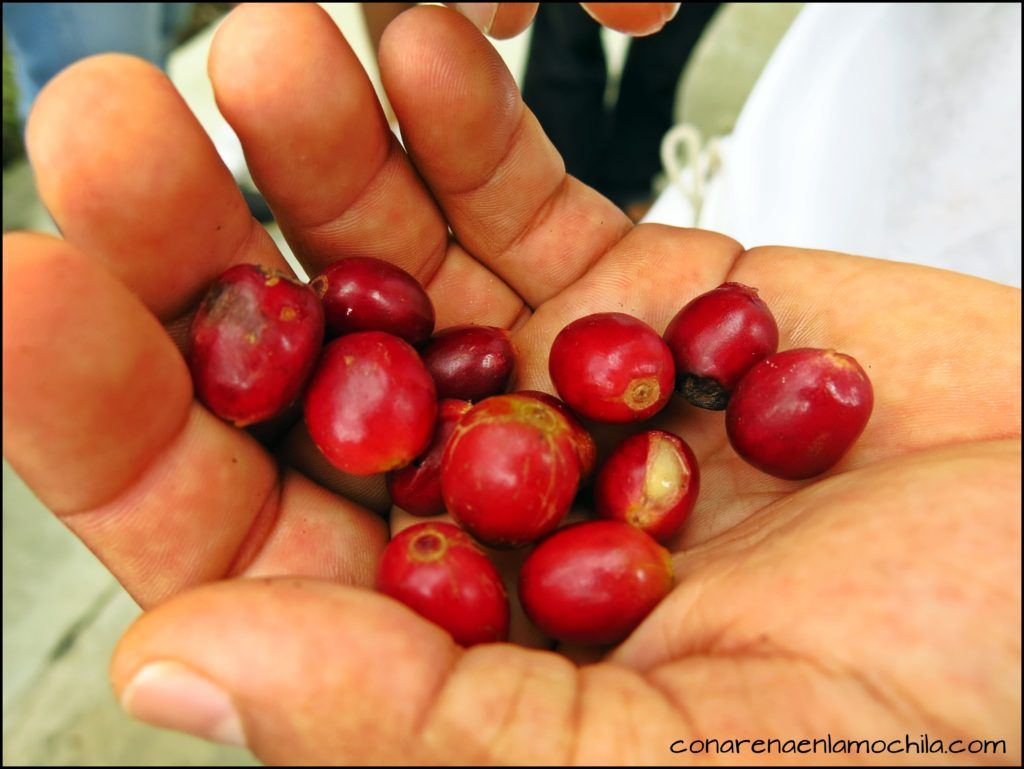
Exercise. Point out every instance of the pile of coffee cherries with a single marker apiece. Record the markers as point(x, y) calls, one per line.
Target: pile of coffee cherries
point(388, 395)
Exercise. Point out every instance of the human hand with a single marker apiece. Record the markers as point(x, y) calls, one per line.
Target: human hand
point(880, 600)
point(504, 20)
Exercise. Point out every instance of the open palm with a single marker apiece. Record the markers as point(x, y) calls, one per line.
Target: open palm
point(880, 600)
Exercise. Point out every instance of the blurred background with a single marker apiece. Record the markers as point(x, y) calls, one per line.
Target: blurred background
point(886, 130)
point(62, 611)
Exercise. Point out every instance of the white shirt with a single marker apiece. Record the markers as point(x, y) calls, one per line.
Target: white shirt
point(891, 131)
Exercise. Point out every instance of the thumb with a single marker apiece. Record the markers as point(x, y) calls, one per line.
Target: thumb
point(307, 672)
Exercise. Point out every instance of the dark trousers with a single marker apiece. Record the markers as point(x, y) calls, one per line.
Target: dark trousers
point(613, 149)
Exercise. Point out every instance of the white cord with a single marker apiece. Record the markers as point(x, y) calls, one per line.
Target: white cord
point(701, 162)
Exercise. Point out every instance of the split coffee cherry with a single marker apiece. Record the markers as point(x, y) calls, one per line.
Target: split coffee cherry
point(650, 481)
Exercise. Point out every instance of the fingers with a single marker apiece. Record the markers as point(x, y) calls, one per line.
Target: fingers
point(321, 152)
point(287, 654)
point(499, 181)
point(317, 143)
point(636, 19)
point(87, 368)
point(462, 291)
point(325, 674)
point(121, 183)
point(132, 180)
point(510, 19)
point(99, 421)
point(498, 20)
point(504, 20)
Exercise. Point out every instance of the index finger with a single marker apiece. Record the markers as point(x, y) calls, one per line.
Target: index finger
point(505, 20)
point(497, 177)
point(633, 18)
point(132, 180)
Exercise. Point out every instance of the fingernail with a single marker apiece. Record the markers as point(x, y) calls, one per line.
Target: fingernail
point(172, 696)
point(481, 14)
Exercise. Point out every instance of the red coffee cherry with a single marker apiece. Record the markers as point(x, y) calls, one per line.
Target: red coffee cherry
point(611, 367)
point(510, 470)
point(440, 573)
point(253, 343)
point(371, 404)
point(592, 583)
point(796, 413)
point(470, 363)
point(585, 446)
point(416, 488)
point(361, 293)
point(716, 339)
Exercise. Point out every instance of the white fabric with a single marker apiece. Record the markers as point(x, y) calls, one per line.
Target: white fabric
point(885, 130)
